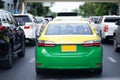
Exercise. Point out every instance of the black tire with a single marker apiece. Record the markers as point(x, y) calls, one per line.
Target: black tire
point(33, 43)
point(98, 71)
point(116, 48)
point(40, 71)
point(22, 53)
point(102, 40)
point(7, 64)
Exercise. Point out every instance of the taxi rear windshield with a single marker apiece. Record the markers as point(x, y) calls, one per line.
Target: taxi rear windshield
point(68, 29)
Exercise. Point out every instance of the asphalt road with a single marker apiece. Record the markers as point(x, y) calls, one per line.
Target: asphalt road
point(24, 68)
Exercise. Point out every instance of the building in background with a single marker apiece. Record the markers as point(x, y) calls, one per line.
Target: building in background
point(8, 5)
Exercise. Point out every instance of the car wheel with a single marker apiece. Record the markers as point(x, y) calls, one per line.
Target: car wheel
point(102, 40)
point(22, 53)
point(7, 64)
point(39, 71)
point(33, 43)
point(97, 71)
point(116, 49)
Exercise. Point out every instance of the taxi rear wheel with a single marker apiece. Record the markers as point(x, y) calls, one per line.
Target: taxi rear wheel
point(97, 71)
point(39, 71)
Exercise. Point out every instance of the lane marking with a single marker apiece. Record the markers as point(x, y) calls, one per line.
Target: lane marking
point(112, 59)
point(31, 60)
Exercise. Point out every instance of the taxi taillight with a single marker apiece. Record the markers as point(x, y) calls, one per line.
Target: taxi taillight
point(91, 43)
point(46, 43)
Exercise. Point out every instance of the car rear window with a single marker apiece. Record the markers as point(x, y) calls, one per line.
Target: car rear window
point(23, 19)
point(68, 29)
point(111, 19)
point(95, 19)
point(67, 14)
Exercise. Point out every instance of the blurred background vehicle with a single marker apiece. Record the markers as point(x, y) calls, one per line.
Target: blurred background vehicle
point(41, 27)
point(68, 18)
point(67, 14)
point(29, 25)
point(93, 21)
point(106, 26)
point(39, 19)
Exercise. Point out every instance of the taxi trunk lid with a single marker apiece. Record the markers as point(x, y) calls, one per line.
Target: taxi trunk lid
point(68, 45)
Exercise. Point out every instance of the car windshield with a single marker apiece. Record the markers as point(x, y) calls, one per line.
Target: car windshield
point(23, 19)
point(95, 19)
point(112, 19)
point(68, 29)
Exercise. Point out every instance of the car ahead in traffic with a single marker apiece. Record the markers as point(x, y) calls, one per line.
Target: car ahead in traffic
point(28, 24)
point(93, 20)
point(12, 39)
point(106, 26)
point(68, 18)
point(67, 14)
point(116, 37)
point(68, 45)
point(41, 27)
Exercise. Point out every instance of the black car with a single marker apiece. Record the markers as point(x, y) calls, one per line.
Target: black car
point(12, 39)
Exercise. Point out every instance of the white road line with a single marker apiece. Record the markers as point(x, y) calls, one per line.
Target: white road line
point(31, 60)
point(112, 59)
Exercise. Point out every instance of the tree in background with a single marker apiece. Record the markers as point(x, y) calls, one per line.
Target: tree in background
point(97, 9)
point(38, 9)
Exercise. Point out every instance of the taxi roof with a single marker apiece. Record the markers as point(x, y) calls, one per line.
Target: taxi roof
point(69, 21)
point(72, 18)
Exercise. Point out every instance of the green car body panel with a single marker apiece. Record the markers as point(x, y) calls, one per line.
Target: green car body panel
point(83, 58)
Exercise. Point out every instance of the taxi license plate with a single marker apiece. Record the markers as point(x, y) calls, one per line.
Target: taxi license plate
point(68, 48)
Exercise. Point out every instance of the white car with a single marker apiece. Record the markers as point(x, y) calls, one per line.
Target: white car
point(106, 26)
point(93, 20)
point(41, 27)
point(27, 23)
point(68, 18)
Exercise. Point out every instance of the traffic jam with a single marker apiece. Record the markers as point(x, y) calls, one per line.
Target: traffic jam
point(67, 46)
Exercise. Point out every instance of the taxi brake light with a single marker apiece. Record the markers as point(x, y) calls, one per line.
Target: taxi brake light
point(46, 43)
point(91, 43)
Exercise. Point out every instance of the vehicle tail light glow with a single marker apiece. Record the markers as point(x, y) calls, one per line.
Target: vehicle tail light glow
point(46, 43)
point(38, 64)
point(2, 28)
point(106, 28)
point(98, 64)
point(91, 43)
point(27, 27)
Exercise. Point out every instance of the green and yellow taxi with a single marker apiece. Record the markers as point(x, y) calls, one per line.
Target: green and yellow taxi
point(68, 45)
